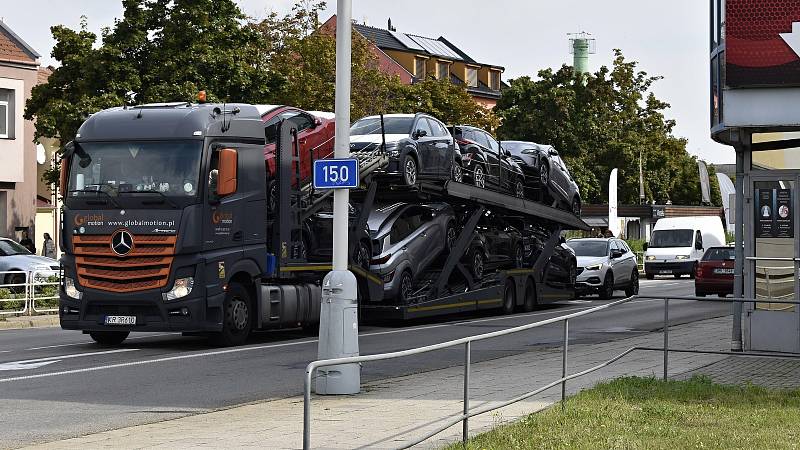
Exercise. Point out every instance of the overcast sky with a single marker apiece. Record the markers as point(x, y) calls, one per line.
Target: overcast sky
point(668, 38)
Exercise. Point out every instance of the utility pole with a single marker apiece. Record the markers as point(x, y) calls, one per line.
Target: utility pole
point(338, 330)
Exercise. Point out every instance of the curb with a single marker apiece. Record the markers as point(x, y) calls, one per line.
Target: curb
point(43, 321)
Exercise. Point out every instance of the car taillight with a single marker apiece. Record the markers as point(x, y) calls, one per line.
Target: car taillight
point(698, 271)
point(382, 259)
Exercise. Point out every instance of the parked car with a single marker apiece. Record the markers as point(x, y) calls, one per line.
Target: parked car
point(318, 239)
point(714, 272)
point(678, 243)
point(406, 240)
point(16, 258)
point(315, 136)
point(487, 163)
point(605, 265)
point(496, 244)
point(544, 169)
point(419, 146)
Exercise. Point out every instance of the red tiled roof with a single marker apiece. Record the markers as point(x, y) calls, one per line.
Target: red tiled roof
point(10, 50)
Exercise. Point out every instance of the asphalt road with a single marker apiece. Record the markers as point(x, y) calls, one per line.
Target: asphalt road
point(56, 384)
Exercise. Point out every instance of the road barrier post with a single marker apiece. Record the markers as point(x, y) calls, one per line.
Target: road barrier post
point(465, 422)
point(666, 337)
point(564, 364)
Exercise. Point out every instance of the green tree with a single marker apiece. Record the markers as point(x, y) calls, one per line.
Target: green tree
point(606, 120)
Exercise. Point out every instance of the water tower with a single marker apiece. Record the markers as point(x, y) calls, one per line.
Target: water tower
point(581, 45)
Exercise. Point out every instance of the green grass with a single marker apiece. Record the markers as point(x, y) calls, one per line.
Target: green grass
point(645, 413)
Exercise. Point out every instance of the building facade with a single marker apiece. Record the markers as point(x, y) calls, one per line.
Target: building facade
point(414, 58)
point(18, 180)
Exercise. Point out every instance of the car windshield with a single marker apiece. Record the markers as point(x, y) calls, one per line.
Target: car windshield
point(671, 238)
point(10, 248)
point(719, 254)
point(391, 125)
point(164, 169)
point(589, 248)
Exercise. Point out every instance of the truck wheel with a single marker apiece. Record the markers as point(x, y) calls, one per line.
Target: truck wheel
point(479, 177)
point(607, 290)
point(633, 288)
point(410, 170)
point(530, 296)
point(509, 297)
point(236, 321)
point(406, 287)
point(109, 337)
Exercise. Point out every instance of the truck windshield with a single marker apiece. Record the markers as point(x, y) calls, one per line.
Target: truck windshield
point(671, 238)
point(159, 172)
point(391, 125)
point(589, 248)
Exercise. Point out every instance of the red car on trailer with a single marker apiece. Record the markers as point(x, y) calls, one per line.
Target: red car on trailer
point(714, 272)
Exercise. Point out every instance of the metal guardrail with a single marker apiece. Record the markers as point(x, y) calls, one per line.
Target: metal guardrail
point(36, 292)
point(467, 343)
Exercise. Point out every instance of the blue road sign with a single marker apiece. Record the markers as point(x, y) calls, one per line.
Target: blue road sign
point(335, 173)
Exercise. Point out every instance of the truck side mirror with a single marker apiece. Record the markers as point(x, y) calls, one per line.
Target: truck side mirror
point(698, 245)
point(227, 176)
point(62, 177)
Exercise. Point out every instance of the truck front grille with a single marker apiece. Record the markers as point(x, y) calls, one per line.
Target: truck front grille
point(146, 266)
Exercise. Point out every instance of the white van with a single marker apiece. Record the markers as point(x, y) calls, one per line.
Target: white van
point(677, 243)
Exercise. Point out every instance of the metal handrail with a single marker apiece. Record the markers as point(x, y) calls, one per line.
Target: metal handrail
point(467, 342)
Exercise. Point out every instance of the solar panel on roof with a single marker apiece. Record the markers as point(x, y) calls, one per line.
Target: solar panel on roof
point(405, 40)
point(435, 47)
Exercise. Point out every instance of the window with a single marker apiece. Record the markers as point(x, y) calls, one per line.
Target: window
point(6, 114)
point(472, 77)
point(438, 129)
point(493, 145)
point(419, 67)
point(480, 138)
point(422, 125)
point(408, 221)
point(494, 80)
point(442, 70)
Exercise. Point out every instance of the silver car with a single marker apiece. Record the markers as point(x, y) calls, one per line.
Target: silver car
point(605, 265)
point(406, 240)
point(15, 258)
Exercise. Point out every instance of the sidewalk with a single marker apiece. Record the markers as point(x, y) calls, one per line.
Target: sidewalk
point(390, 412)
point(38, 321)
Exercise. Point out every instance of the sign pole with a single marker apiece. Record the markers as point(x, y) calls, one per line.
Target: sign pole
point(338, 331)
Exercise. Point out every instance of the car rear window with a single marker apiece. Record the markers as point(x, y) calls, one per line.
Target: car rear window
point(719, 254)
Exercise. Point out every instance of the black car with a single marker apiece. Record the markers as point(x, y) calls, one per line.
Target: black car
point(487, 163)
point(419, 146)
point(317, 241)
point(544, 169)
point(496, 244)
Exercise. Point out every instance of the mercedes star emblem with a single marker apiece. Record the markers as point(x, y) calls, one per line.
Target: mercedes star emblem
point(121, 242)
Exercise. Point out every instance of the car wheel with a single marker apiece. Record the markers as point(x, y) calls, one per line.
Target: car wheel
point(16, 278)
point(633, 288)
point(458, 172)
point(477, 264)
point(607, 289)
point(519, 189)
point(509, 297)
point(237, 315)
point(406, 287)
point(109, 337)
point(650, 276)
point(450, 236)
point(544, 174)
point(479, 176)
point(530, 296)
point(576, 206)
point(409, 170)
point(519, 257)
point(361, 258)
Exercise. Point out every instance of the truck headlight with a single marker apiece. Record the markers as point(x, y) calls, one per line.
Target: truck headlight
point(682, 257)
point(650, 257)
point(594, 267)
point(71, 290)
point(181, 288)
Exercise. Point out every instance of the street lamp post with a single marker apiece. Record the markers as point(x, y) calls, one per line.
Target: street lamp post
point(338, 331)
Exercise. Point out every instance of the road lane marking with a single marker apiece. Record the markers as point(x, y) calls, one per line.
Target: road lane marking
point(90, 342)
point(28, 364)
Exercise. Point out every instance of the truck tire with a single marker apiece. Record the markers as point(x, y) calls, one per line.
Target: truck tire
point(236, 317)
point(109, 337)
point(607, 289)
point(530, 296)
point(633, 287)
point(509, 297)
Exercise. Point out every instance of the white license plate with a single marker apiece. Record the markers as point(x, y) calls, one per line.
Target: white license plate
point(120, 320)
point(665, 271)
point(724, 271)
